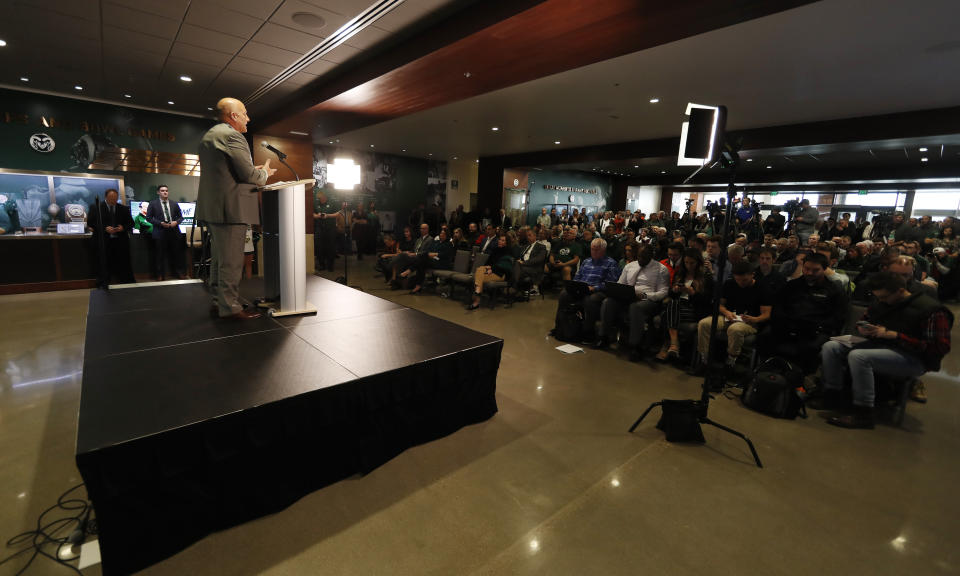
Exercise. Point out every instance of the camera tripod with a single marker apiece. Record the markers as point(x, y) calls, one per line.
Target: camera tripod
point(681, 419)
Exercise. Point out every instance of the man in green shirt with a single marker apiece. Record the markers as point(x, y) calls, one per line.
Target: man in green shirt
point(566, 254)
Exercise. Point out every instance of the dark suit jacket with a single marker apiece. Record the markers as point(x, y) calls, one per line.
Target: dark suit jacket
point(537, 256)
point(228, 179)
point(121, 217)
point(425, 246)
point(155, 216)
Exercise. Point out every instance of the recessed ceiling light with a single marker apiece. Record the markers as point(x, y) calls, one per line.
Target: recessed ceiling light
point(924, 149)
point(299, 133)
point(404, 150)
point(495, 128)
point(636, 165)
point(331, 141)
point(170, 102)
point(556, 141)
point(78, 87)
point(924, 159)
point(663, 171)
point(131, 96)
point(210, 108)
point(308, 20)
point(654, 100)
point(749, 159)
point(768, 166)
point(3, 43)
point(454, 157)
point(477, 160)
point(185, 78)
point(371, 145)
point(430, 154)
point(24, 79)
point(467, 74)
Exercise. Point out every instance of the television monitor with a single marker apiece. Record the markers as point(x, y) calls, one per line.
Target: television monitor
point(186, 208)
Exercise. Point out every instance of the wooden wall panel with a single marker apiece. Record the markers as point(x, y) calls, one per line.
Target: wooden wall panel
point(299, 151)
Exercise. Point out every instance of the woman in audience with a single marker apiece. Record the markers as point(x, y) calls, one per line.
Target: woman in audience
point(689, 300)
point(501, 264)
point(459, 241)
point(948, 240)
point(629, 253)
point(513, 243)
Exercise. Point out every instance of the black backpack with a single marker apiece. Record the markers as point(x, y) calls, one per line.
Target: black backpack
point(773, 389)
point(569, 323)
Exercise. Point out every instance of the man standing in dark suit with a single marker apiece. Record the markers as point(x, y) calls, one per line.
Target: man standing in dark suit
point(227, 201)
point(167, 238)
point(115, 222)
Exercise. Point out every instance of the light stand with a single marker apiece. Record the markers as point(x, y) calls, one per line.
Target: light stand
point(103, 279)
point(681, 419)
point(346, 245)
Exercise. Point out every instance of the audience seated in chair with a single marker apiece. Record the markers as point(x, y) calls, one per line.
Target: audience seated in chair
point(907, 335)
point(441, 258)
point(595, 271)
point(402, 264)
point(566, 255)
point(530, 262)
point(651, 282)
point(745, 306)
point(689, 300)
point(810, 310)
point(500, 268)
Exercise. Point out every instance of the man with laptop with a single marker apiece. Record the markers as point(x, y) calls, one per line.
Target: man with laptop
point(588, 286)
point(647, 282)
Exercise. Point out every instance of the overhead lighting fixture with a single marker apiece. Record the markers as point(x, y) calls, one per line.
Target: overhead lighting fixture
point(403, 150)
point(299, 133)
point(24, 79)
point(78, 87)
point(495, 128)
point(429, 153)
point(331, 141)
point(343, 173)
point(749, 159)
point(663, 171)
point(3, 43)
point(654, 100)
point(131, 96)
point(371, 145)
point(454, 157)
point(477, 160)
point(185, 78)
point(556, 141)
point(636, 165)
point(467, 74)
point(924, 159)
point(170, 102)
point(768, 166)
point(924, 149)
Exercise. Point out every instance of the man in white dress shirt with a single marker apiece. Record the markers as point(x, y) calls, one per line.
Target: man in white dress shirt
point(651, 282)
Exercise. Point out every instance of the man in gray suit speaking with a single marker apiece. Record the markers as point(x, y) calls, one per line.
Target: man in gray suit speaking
point(227, 202)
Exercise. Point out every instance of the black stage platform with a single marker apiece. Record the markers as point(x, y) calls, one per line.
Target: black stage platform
point(189, 425)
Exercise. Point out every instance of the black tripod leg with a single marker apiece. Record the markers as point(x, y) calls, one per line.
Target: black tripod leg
point(735, 433)
point(644, 415)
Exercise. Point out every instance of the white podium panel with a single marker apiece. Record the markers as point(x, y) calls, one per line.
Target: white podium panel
point(285, 262)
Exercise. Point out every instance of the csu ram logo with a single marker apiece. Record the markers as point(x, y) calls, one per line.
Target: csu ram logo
point(42, 143)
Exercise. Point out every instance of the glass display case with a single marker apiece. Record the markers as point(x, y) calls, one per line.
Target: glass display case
point(33, 203)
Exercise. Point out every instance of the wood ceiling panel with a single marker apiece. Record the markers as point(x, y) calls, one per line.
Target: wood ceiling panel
point(207, 14)
point(210, 39)
point(528, 45)
point(126, 18)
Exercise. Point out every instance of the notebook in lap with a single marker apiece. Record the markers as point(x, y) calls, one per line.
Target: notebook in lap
point(622, 292)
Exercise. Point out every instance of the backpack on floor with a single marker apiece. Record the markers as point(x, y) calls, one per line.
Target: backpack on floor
point(569, 323)
point(773, 389)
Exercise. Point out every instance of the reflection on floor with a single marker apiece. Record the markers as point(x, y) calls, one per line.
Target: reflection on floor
point(553, 484)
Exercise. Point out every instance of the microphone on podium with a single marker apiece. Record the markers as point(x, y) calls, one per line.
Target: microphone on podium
point(279, 154)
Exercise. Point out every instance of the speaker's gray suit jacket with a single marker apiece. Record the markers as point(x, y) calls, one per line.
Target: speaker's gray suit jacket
point(228, 179)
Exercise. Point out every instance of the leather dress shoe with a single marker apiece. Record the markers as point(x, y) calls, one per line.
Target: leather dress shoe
point(601, 343)
point(244, 315)
point(861, 417)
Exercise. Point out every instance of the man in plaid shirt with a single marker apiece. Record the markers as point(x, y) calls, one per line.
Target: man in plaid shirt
point(906, 335)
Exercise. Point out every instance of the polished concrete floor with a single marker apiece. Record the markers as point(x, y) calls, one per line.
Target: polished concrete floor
point(553, 484)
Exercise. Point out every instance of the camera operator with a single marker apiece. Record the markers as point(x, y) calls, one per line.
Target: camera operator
point(806, 220)
point(773, 225)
